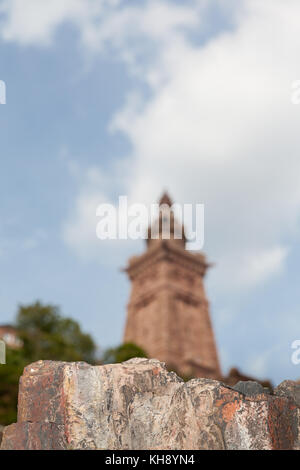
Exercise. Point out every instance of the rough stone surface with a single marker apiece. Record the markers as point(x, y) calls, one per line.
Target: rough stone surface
point(140, 405)
point(288, 388)
point(1, 432)
point(249, 388)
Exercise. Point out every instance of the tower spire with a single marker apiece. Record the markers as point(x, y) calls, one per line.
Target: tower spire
point(168, 312)
point(166, 226)
point(165, 199)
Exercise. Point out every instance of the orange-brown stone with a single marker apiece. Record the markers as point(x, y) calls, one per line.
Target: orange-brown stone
point(168, 312)
point(140, 405)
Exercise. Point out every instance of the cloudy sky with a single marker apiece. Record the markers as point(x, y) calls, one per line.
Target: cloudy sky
point(113, 97)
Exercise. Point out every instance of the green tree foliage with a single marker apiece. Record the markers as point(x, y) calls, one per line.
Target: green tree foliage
point(46, 334)
point(122, 353)
point(9, 379)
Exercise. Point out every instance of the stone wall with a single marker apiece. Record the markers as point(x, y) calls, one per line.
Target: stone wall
point(140, 405)
point(168, 312)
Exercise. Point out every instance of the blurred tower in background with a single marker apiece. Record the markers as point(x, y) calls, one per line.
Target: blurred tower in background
point(168, 313)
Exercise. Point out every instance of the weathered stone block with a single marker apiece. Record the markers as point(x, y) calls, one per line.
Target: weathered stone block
point(288, 388)
point(140, 405)
point(1, 433)
point(34, 436)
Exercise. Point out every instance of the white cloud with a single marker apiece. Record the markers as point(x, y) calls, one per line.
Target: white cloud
point(79, 229)
point(261, 266)
point(221, 130)
point(248, 269)
point(35, 21)
point(218, 126)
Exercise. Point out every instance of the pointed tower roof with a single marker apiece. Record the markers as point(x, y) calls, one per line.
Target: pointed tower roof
point(165, 199)
point(166, 212)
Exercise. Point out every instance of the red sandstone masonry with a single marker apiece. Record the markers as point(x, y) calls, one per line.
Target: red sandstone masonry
point(140, 405)
point(168, 312)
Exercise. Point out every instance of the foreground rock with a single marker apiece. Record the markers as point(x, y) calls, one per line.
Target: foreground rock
point(140, 405)
point(1, 433)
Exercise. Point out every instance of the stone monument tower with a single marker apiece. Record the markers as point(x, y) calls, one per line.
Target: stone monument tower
point(168, 312)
